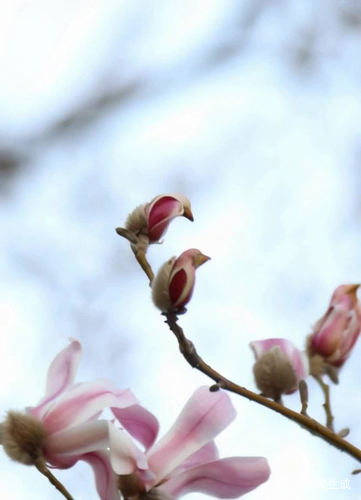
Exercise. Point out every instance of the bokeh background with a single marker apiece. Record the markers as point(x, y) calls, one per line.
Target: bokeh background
point(252, 109)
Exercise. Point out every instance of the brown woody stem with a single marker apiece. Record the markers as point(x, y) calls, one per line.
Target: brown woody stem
point(131, 237)
point(303, 390)
point(139, 253)
point(142, 259)
point(327, 404)
point(189, 352)
point(41, 466)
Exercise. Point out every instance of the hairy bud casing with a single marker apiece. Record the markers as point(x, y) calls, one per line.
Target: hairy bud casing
point(23, 437)
point(279, 367)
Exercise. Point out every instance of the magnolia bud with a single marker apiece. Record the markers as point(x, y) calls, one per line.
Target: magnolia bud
point(22, 437)
point(335, 334)
point(279, 367)
point(149, 222)
point(173, 286)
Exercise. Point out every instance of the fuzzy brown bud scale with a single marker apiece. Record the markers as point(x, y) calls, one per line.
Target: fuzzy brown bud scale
point(137, 221)
point(22, 437)
point(160, 290)
point(274, 374)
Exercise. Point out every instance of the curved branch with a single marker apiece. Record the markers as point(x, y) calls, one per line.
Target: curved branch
point(189, 352)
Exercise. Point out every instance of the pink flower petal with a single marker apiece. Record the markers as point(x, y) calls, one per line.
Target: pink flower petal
point(125, 457)
point(61, 374)
point(260, 347)
point(204, 416)
point(96, 435)
point(60, 461)
point(181, 286)
point(62, 370)
point(139, 422)
point(208, 453)
point(105, 479)
point(182, 278)
point(350, 335)
point(90, 436)
point(225, 478)
point(82, 402)
point(160, 212)
point(327, 339)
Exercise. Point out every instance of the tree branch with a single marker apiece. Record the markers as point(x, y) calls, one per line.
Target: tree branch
point(189, 352)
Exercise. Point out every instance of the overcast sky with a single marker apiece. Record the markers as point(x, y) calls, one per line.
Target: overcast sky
point(251, 109)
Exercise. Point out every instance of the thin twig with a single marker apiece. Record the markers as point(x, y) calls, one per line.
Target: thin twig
point(138, 252)
point(128, 235)
point(41, 466)
point(303, 390)
point(142, 260)
point(327, 404)
point(190, 354)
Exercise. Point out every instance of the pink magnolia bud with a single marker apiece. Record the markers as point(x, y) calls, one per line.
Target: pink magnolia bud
point(161, 210)
point(279, 367)
point(148, 223)
point(173, 286)
point(336, 332)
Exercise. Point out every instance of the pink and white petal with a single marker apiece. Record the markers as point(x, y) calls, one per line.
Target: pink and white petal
point(208, 453)
point(139, 422)
point(125, 457)
point(60, 376)
point(181, 286)
point(160, 213)
point(204, 416)
point(326, 340)
point(349, 336)
point(82, 402)
point(166, 203)
point(62, 370)
point(105, 479)
point(90, 436)
point(60, 461)
point(225, 478)
point(260, 347)
point(181, 281)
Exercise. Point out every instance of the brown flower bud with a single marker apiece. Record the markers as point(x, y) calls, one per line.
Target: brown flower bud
point(22, 437)
point(274, 374)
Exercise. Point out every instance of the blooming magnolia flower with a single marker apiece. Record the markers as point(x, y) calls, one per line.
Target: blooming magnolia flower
point(64, 427)
point(148, 222)
point(173, 286)
point(186, 459)
point(279, 367)
point(336, 332)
